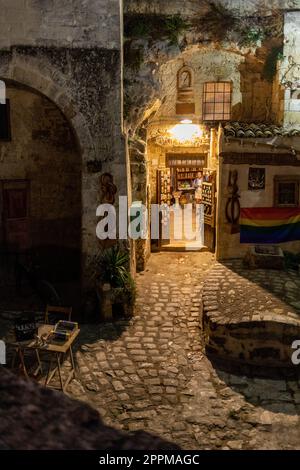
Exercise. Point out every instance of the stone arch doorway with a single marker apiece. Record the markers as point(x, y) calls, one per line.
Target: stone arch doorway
point(40, 186)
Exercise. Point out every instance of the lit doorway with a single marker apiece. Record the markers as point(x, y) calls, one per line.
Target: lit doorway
point(186, 189)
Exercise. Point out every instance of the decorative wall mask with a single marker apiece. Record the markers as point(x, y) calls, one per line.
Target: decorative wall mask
point(233, 206)
point(256, 179)
point(108, 189)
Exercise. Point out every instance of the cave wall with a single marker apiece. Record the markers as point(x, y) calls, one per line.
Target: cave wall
point(251, 93)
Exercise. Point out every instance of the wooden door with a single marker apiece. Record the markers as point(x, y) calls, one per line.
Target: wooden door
point(15, 215)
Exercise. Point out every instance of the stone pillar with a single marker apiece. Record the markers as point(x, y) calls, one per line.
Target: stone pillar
point(138, 161)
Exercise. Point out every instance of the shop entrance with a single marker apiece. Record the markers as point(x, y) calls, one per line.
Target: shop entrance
point(187, 190)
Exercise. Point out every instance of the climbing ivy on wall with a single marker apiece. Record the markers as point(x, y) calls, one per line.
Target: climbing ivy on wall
point(216, 22)
point(154, 27)
point(219, 22)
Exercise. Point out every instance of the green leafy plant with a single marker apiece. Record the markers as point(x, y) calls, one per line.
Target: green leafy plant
point(130, 290)
point(175, 25)
point(252, 36)
point(113, 267)
point(154, 27)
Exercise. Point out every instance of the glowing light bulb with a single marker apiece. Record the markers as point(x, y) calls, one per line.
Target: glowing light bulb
point(186, 131)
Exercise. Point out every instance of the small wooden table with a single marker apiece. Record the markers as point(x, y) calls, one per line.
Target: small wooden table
point(58, 352)
point(20, 348)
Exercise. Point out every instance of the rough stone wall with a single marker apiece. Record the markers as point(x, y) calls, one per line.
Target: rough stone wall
point(83, 77)
point(153, 80)
point(139, 189)
point(260, 100)
point(188, 7)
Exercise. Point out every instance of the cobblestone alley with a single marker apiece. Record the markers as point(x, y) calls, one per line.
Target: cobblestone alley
point(151, 373)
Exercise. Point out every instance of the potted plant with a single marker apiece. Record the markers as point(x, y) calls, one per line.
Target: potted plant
point(115, 283)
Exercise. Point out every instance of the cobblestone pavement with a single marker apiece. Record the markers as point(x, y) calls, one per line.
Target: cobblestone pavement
point(151, 373)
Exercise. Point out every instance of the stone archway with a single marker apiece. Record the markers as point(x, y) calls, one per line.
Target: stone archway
point(40, 193)
point(30, 76)
point(37, 76)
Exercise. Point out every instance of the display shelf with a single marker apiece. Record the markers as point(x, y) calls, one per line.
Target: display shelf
point(208, 201)
point(188, 174)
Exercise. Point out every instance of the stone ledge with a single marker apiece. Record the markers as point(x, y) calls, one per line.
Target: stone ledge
point(245, 318)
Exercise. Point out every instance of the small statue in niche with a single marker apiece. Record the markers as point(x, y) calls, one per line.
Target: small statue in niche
point(185, 85)
point(233, 206)
point(184, 79)
point(108, 189)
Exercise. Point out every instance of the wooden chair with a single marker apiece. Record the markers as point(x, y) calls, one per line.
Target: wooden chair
point(54, 314)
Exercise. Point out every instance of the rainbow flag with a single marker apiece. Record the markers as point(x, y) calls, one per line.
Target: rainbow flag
point(270, 225)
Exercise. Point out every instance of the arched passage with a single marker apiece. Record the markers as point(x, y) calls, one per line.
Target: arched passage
point(40, 189)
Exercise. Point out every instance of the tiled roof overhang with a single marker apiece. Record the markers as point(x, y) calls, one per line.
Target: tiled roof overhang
point(279, 159)
point(243, 130)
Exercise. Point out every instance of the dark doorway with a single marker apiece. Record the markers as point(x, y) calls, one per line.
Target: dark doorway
point(15, 215)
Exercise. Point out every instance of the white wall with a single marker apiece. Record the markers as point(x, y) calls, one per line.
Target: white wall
point(229, 245)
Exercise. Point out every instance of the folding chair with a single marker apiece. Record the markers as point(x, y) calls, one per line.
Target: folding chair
point(53, 314)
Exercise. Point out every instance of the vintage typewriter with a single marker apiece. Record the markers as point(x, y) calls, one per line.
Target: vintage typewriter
point(63, 330)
